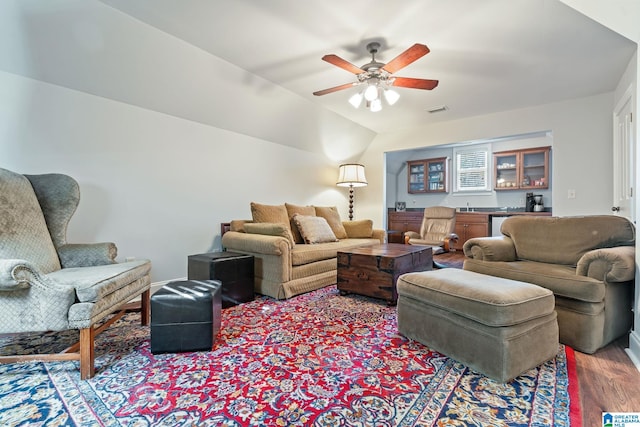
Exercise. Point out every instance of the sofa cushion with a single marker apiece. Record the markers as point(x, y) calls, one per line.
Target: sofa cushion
point(359, 229)
point(94, 283)
point(330, 213)
point(24, 232)
point(269, 229)
point(314, 229)
point(489, 300)
point(302, 210)
point(305, 254)
point(560, 279)
point(563, 240)
point(270, 213)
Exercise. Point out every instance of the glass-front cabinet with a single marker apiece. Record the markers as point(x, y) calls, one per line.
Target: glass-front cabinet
point(522, 169)
point(427, 176)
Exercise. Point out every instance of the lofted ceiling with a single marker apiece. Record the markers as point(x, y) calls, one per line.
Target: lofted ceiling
point(489, 55)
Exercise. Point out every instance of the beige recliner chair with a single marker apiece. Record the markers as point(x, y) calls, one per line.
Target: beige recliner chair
point(47, 284)
point(437, 229)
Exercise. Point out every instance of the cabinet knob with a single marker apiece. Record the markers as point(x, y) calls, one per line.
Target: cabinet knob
point(616, 209)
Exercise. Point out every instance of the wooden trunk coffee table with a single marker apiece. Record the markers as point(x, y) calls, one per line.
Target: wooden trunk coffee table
point(374, 270)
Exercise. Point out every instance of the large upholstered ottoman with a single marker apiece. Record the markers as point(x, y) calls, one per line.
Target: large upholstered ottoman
point(185, 316)
point(498, 327)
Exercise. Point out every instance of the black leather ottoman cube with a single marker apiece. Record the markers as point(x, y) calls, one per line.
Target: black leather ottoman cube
point(185, 316)
point(234, 270)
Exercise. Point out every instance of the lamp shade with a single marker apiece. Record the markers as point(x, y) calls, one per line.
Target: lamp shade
point(351, 175)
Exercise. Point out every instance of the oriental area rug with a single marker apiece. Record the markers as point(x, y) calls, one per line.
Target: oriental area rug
point(319, 359)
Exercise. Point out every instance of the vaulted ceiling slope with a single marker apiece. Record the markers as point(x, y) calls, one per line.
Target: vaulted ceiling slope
point(489, 55)
point(251, 66)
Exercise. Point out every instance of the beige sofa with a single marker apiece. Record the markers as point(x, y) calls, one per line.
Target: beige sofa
point(587, 262)
point(286, 262)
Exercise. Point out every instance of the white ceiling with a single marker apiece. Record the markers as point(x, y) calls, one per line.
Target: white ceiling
point(489, 55)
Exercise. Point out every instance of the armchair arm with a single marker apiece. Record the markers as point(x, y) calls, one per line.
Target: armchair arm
point(408, 235)
point(8, 279)
point(451, 238)
point(608, 264)
point(256, 243)
point(498, 248)
point(42, 303)
point(87, 254)
point(20, 274)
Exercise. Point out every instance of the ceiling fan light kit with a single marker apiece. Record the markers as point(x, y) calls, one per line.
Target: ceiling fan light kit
point(391, 96)
point(377, 77)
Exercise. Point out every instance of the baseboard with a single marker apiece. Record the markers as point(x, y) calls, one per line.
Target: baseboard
point(634, 348)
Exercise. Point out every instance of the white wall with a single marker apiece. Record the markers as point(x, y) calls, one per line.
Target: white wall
point(582, 155)
point(156, 185)
point(94, 48)
point(166, 140)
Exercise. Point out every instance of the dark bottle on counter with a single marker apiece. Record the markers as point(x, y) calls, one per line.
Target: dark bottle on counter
point(530, 203)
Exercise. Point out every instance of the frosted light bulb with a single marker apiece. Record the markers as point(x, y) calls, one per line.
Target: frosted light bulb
point(371, 93)
point(391, 96)
point(356, 100)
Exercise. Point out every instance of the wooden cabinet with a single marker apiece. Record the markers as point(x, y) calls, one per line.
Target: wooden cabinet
point(521, 169)
point(427, 176)
point(469, 225)
point(401, 222)
point(405, 221)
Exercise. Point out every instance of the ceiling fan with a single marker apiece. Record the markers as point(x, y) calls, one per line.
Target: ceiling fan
point(378, 77)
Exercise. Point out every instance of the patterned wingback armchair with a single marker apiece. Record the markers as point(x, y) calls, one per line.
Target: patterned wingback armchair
point(47, 284)
point(437, 229)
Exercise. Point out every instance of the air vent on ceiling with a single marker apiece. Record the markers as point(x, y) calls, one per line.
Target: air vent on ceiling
point(438, 109)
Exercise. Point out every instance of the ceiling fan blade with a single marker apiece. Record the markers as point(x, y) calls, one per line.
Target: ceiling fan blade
point(415, 52)
point(345, 65)
point(415, 83)
point(334, 89)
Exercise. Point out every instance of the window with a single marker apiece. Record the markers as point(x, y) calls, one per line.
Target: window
point(471, 169)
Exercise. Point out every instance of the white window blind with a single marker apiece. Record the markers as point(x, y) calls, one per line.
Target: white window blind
point(471, 169)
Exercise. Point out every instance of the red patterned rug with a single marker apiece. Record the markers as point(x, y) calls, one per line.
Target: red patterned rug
point(319, 359)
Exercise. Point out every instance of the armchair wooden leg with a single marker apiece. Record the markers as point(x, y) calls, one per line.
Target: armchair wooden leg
point(144, 307)
point(87, 368)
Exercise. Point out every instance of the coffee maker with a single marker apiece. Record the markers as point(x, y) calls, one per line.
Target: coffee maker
point(528, 207)
point(538, 204)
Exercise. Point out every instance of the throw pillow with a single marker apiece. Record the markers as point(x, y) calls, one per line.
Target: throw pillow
point(269, 229)
point(302, 210)
point(359, 229)
point(330, 213)
point(269, 213)
point(238, 225)
point(314, 229)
